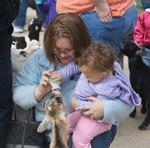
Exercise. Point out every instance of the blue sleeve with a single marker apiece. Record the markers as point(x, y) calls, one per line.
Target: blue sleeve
point(69, 70)
point(27, 80)
point(115, 111)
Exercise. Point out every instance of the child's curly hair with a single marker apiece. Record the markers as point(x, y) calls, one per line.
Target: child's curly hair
point(99, 56)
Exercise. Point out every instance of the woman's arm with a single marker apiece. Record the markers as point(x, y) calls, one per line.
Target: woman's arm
point(115, 111)
point(108, 111)
point(27, 82)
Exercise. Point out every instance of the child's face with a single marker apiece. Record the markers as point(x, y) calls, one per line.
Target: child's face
point(93, 75)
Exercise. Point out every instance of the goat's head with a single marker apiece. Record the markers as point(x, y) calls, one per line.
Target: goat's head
point(54, 105)
point(130, 49)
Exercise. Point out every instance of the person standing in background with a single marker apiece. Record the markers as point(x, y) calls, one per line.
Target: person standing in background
point(20, 20)
point(8, 11)
point(145, 4)
point(47, 8)
point(109, 21)
point(141, 35)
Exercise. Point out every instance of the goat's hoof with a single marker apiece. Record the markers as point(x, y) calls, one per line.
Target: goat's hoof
point(143, 110)
point(142, 127)
point(132, 115)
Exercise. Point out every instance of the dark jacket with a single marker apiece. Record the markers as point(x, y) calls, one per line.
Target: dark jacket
point(8, 11)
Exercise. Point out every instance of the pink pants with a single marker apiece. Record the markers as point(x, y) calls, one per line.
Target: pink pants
point(84, 129)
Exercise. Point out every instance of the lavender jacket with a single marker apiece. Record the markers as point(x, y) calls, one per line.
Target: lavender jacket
point(116, 86)
point(48, 7)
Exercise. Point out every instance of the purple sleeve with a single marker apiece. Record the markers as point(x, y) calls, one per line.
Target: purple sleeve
point(69, 70)
point(83, 90)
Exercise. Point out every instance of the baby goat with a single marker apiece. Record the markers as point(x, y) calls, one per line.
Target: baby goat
point(55, 113)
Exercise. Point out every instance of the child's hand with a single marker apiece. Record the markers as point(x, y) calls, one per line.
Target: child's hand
point(56, 76)
point(74, 103)
point(103, 11)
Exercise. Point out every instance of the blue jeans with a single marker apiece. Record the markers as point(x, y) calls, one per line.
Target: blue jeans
point(103, 140)
point(21, 18)
point(145, 4)
point(5, 84)
point(111, 32)
point(146, 56)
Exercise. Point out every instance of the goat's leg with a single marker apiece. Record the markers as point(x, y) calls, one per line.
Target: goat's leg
point(43, 125)
point(146, 121)
point(133, 113)
point(143, 94)
point(143, 109)
point(134, 84)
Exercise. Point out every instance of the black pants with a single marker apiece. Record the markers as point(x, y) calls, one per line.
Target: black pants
point(5, 84)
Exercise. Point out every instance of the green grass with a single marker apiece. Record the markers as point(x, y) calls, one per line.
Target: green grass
point(139, 5)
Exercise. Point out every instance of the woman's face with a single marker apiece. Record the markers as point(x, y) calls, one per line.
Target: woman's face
point(64, 50)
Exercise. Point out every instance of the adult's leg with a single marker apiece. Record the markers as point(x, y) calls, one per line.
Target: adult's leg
point(21, 18)
point(5, 85)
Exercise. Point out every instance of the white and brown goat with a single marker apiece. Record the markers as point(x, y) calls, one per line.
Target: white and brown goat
point(55, 114)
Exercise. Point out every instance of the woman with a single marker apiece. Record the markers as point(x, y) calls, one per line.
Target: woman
point(107, 20)
point(64, 40)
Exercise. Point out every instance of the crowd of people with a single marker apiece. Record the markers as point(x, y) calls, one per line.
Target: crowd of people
point(76, 32)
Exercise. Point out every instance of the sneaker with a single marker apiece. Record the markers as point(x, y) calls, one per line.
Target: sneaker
point(18, 29)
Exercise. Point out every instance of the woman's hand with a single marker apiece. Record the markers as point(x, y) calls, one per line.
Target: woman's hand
point(44, 86)
point(95, 110)
point(103, 11)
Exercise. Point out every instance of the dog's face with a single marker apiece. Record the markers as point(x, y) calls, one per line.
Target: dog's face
point(35, 25)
